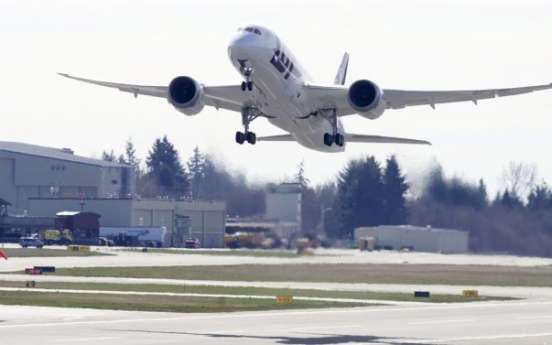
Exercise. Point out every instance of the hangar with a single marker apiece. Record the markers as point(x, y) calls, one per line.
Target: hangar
point(415, 238)
point(31, 171)
point(39, 182)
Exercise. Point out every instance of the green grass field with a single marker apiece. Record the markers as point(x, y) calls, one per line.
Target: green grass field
point(45, 252)
point(342, 273)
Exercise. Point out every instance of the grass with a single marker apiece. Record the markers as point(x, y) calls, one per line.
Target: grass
point(238, 252)
point(181, 304)
point(45, 252)
point(200, 304)
point(339, 273)
point(248, 291)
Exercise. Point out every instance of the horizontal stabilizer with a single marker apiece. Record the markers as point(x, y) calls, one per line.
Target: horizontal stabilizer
point(362, 138)
point(283, 137)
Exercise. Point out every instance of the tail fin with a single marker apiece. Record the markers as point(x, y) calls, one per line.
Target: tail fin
point(342, 71)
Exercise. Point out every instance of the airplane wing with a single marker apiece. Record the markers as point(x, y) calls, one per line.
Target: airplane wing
point(355, 138)
point(336, 96)
point(397, 99)
point(229, 97)
point(283, 137)
point(363, 138)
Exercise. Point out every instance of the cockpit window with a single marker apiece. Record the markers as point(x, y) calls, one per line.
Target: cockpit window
point(250, 29)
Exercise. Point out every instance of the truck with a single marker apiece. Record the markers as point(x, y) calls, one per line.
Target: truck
point(135, 236)
point(54, 236)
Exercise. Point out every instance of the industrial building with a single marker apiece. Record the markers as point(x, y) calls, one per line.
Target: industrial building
point(36, 183)
point(31, 171)
point(414, 238)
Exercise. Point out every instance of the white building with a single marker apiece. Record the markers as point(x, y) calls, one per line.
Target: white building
point(283, 205)
point(416, 238)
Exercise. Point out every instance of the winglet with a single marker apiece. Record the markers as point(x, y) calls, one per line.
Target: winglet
point(342, 71)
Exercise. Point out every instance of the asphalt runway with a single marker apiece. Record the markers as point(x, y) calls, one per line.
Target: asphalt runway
point(525, 321)
point(473, 323)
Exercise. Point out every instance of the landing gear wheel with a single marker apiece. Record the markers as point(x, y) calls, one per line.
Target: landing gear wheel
point(339, 140)
point(328, 139)
point(240, 137)
point(247, 85)
point(251, 138)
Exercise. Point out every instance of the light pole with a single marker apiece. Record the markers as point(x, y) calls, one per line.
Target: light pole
point(82, 205)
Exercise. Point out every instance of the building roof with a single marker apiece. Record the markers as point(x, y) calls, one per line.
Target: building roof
point(64, 154)
point(420, 228)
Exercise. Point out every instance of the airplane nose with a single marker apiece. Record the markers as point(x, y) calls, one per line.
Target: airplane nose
point(238, 48)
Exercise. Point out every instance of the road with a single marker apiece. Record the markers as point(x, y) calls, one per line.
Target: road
point(525, 321)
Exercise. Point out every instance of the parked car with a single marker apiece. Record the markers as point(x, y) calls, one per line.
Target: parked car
point(106, 242)
point(30, 242)
point(192, 242)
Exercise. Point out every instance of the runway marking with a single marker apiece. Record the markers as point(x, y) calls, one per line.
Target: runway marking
point(72, 340)
point(268, 314)
point(489, 337)
point(534, 317)
point(296, 329)
point(441, 321)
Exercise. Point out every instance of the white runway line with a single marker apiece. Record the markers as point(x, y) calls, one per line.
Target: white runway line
point(441, 321)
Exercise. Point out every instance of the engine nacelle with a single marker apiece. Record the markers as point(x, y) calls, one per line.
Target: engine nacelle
point(367, 99)
point(186, 95)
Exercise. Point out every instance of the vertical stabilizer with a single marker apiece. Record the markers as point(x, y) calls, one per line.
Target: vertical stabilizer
point(342, 72)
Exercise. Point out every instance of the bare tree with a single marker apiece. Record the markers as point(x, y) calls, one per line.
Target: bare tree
point(519, 178)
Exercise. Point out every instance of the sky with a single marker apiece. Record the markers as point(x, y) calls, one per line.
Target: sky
point(410, 45)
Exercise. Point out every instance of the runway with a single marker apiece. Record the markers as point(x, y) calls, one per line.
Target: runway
point(474, 323)
point(524, 321)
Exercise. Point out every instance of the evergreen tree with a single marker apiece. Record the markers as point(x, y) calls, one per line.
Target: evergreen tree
point(108, 156)
point(540, 198)
point(359, 199)
point(196, 165)
point(395, 188)
point(131, 159)
point(166, 170)
point(300, 176)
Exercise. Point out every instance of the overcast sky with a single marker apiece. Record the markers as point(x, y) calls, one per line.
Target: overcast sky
point(417, 45)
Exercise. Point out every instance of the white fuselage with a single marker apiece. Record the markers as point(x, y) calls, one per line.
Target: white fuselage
point(278, 91)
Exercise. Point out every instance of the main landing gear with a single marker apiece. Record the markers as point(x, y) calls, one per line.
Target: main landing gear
point(248, 114)
point(334, 137)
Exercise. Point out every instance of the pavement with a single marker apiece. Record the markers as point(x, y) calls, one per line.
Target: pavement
point(524, 321)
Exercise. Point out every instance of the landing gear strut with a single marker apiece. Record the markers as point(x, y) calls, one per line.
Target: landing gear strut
point(329, 138)
point(247, 84)
point(248, 115)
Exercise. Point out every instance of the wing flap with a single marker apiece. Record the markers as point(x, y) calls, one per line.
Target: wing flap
point(378, 139)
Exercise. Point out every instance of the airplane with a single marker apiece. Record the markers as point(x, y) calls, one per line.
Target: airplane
point(276, 87)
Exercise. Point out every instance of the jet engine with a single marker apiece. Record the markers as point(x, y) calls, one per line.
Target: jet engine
point(186, 95)
point(367, 99)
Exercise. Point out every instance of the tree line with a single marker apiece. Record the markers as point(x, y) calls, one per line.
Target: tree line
point(517, 220)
